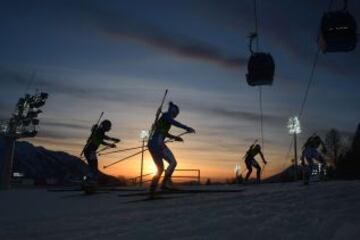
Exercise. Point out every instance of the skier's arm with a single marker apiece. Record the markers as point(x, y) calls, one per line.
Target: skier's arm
point(178, 124)
point(112, 145)
point(111, 139)
point(262, 157)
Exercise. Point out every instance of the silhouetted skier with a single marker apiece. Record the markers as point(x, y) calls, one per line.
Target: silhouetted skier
point(250, 161)
point(160, 151)
point(309, 153)
point(96, 139)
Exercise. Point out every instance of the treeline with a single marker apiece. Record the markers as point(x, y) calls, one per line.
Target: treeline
point(343, 154)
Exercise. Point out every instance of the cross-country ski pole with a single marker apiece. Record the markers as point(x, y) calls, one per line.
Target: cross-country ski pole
point(139, 152)
point(117, 151)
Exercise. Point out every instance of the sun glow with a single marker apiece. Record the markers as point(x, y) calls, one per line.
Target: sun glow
point(150, 167)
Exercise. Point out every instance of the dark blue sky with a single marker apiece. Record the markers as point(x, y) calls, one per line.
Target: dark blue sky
point(119, 57)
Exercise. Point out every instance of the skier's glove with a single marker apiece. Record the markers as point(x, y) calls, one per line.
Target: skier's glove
point(178, 139)
point(190, 130)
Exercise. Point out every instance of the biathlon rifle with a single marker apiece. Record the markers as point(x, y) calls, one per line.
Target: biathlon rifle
point(93, 129)
point(158, 112)
point(251, 146)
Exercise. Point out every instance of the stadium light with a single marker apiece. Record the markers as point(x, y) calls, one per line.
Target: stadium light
point(294, 129)
point(144, 135)
point(294, 125)
point(22, 124)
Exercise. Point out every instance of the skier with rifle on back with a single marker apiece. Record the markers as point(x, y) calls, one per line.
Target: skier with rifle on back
point(251, 162)
point(157, 147)
point(310, 153)
point(97, 138)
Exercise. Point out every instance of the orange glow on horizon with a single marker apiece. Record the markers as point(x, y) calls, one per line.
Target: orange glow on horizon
point(213, 165)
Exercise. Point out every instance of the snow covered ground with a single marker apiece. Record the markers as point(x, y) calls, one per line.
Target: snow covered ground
point(326, 210)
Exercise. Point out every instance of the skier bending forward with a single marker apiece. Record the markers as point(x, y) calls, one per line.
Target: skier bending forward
point(251, 162)
point(97, 138)
point(160, 151)
point(310, 152)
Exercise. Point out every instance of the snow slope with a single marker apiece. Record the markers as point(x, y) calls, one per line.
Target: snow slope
point(326, 210)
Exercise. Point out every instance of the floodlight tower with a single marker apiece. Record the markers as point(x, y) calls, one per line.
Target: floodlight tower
point(23, 123)
point(144, 135)
point(294, 129)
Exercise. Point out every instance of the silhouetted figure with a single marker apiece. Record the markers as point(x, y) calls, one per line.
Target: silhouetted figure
point(97, 138)
point(250, 161)
point(160, 151)
point(309, 154)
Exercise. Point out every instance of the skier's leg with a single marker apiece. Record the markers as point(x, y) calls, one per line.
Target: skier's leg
point(249, 167)
point(303, 166)
point(309, 169)
point(92, 173)
point(169, 158)
point(258, 170)
point(95, 167)
point(319, 157)
point(308, 156)
point(157, 157)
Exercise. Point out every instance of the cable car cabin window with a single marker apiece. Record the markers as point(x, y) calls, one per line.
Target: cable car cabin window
point(338, 32)
point(261, 68)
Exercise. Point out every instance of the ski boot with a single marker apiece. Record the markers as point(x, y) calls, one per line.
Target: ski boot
point(306, 178)
point(89, 185)
point(168, 186)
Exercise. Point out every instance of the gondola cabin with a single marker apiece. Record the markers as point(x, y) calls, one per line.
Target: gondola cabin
point(338, 32)
point(261, 69)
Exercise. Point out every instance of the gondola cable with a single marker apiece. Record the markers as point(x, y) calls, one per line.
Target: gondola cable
point(309, 83)
point(255, 35)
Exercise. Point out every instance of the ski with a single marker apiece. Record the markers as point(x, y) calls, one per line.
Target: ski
point(72, 189)
point(149, 199)
point(183, 191)
point(110, 189)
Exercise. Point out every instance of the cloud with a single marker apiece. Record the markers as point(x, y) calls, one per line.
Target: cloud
point(73, 126)
point(237, 115)
point(181, 46)
point(243, 115)
point(57, 86)
point(117, 26)
point(49, 134)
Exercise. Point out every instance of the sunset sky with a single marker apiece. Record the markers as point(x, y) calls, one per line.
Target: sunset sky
point(120, 56)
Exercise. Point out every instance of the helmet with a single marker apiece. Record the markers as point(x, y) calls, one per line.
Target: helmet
point(106, 125)
point(257, 147)
point(174, 109)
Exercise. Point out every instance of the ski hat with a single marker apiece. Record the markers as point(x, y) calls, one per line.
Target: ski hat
point(173, 108)
point(106, 125)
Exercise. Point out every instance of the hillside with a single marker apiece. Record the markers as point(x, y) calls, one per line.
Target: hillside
point(40, 163)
